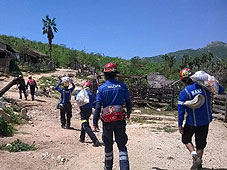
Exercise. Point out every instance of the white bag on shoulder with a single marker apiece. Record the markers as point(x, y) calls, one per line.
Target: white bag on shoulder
point(82, 98)
point(206, 80)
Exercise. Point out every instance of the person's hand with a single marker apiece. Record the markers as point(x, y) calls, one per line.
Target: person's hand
point(96, 128)
point(127, 116)
point(181, 130)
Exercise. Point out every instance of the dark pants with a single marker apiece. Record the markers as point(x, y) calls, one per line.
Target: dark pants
point(118, 128)
point(200, 132)
point(32, 91)
point(66, 109)
point(85, 114)
point(22, 89)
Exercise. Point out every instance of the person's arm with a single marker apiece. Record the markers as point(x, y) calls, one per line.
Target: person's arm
point(73, 87)
point(58, 88)
point(128, 104)
point(36, 85)
point(181, 109)
point(98, 107)
point(97, 115)
point(221, 89)
point(27, 85)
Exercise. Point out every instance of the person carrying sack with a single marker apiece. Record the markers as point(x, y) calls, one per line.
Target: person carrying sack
point(65, 102)
point(85, 113)
point(112, 95)
point(194, 100)
point(32, 83)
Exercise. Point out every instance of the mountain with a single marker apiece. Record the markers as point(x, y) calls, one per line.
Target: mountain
point(218, 48)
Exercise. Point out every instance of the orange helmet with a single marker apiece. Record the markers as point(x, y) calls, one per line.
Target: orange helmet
point(86, 84)
point(185, 73)
point(110, 67)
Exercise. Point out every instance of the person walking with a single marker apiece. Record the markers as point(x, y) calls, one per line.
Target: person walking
point(198, 117)
point(85, 113)
point(21, 86)
point(111, 96)
point(65, 105)
point(32, 83)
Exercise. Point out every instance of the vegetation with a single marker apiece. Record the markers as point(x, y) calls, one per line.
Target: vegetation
point(49, 26)
point(168, 65)
point(6, 129)
point(14, 118)
point(18, 146)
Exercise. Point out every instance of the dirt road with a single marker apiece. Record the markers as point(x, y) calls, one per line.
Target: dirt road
point(152, 144)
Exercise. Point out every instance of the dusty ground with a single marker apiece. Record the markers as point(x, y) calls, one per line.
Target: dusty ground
point(149, 145)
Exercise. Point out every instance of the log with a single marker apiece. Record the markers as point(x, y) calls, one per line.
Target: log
point(219, 111)
point(8, 86)
point(219, 107)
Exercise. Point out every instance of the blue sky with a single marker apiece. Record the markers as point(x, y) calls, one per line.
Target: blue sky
point(119, 28)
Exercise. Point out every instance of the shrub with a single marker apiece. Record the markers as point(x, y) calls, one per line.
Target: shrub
point(5, 128)
point(18, 146)
point(13, 117)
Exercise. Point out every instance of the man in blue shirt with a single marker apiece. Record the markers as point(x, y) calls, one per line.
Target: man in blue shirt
point(65, 102)
point(198, 117)
point(85, 113)
point(112, 95)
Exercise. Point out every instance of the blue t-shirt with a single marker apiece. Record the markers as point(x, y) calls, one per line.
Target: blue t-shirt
point(65, 93)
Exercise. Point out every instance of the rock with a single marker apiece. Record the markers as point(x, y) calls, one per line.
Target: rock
point(2, 105)
point(137, 111)
point(5, 116)
point(23, 112)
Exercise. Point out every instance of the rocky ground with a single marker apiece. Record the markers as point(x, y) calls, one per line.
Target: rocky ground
point(154, 142)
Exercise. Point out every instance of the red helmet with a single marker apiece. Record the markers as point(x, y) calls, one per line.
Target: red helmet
point(86, 84)
point(185, 72)
point(110, 67)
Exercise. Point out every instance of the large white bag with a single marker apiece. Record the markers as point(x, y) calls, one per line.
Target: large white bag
point(82, 97)
point(206, 80)
point(66, 79)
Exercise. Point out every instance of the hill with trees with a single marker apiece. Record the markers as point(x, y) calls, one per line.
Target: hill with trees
point(212, 58)
point(217, 48)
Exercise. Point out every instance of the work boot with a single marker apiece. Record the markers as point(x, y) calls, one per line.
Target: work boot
point(197, 163)
point(97, 143)
point(63, 126)
point(80, 140)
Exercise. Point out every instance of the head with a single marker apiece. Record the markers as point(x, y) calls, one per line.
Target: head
point(66, 84)
point(20, 76)
point(185, 74)
point(86, 84)
point(30, 77)
point(110, 70)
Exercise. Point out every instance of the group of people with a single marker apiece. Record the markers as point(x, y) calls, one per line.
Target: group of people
point(108, 103)
point(22, 86)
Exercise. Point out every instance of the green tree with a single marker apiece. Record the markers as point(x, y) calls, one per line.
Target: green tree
point(49, 26)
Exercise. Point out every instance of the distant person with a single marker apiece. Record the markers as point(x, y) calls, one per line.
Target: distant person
point(65, 102)
point(198, 117)
point(111, 96)
point(32, 83)
point(85, 113)
point(21, 86)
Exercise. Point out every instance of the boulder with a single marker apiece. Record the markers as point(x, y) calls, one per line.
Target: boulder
point(4, 115)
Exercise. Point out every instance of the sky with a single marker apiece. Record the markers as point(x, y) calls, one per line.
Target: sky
point(119, 28)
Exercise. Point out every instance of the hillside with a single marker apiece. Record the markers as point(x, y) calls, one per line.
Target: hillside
point(219, 49)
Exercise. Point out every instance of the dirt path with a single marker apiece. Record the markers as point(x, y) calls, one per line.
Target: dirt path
point(151, 144)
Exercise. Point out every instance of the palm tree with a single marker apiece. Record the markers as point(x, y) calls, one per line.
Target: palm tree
point(48, 26)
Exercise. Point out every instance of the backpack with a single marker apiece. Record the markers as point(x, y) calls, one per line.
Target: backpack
point(82, 97)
